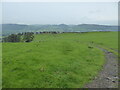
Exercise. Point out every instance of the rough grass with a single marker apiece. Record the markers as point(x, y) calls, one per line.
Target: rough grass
point(106, 39)
point(55, 61)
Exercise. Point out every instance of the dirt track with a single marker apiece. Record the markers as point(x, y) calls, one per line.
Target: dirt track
point(108, 76)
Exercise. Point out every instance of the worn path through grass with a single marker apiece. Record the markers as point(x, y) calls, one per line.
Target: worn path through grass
point(108, 76)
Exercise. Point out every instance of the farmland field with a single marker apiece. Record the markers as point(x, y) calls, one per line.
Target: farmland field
point(66, 60)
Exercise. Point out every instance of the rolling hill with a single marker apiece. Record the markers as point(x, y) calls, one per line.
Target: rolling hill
point(17, 28)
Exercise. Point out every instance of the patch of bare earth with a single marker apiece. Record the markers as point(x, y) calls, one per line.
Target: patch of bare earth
point(108, 76)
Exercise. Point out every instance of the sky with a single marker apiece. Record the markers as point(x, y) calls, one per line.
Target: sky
point(104, 13)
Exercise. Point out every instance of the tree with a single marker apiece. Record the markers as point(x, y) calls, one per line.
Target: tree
point(12, 38)
point(28, 36)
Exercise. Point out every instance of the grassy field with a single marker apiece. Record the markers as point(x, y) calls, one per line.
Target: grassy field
point(56, 60)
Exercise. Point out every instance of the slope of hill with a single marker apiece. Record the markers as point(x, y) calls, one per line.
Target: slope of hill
point(67, 60)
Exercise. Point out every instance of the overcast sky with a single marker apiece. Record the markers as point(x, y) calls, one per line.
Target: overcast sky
point(57, 13)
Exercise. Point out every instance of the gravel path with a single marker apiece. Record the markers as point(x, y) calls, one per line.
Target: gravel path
point(108, 77)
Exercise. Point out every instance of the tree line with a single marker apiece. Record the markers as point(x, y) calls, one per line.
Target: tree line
point(20, 37)
point(29, 36)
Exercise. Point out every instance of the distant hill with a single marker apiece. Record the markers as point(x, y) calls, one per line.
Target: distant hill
point(16, 28)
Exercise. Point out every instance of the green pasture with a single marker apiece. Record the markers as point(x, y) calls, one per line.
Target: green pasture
point(66, 60)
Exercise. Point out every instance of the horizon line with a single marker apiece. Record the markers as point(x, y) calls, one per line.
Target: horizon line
point(62, 23)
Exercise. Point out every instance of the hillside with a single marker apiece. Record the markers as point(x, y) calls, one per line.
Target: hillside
point(16, 28)
point(66, 60)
